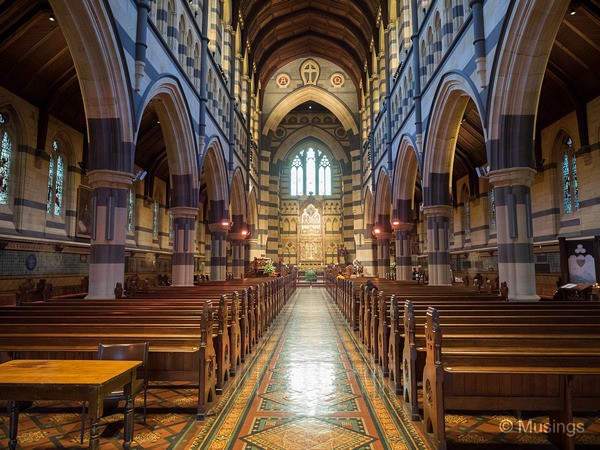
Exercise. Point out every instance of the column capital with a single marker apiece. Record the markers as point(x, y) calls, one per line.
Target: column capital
point(237, 236)
point(404, 226)
point(184, 211)
point(110, 179)
point(437, 210)
point(218, 227)
point(512, 176)
point(383, 236)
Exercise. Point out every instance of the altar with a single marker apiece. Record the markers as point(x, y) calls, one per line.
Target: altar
point(311, 252)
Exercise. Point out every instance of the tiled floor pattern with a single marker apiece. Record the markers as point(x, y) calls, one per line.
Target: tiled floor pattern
point(310, 389)
point(309, 385)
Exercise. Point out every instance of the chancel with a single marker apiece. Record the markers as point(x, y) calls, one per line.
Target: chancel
point(343, 224)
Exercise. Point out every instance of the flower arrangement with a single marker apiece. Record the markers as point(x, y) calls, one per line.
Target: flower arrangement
point(269, 268)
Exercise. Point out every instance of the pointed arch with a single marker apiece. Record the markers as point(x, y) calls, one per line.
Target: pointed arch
point(310, 131)
point(516, 80)
point(176, 124)
point(311, 93)
point(214, 172)
point(450, 102)
point(406, 175)
point(383, 200)
point(238, 207)
point(98, 57)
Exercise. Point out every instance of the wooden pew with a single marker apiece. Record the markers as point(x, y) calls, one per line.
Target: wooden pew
point(559, 375)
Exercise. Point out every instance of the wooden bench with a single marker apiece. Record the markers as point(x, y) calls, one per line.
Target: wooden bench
point(558, 375)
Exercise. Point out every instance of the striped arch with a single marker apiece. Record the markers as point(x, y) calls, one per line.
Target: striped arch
point(317, 95)
point(383, 201)
point(406, 174)
point(98, 57)
point(214, 175)
point(238, 207)
point(452, 96)
point(368, 211)
point(516, 80)
point(177, 128)
point(310, 131)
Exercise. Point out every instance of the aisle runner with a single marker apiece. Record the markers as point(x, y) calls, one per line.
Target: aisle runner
point(309, 388)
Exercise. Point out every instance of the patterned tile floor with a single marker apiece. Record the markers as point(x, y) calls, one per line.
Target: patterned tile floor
point(310, 385)
point(310, 389)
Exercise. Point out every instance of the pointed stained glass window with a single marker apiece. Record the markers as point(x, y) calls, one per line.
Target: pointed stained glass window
point(311, 174)
point(5, 158)
point(155, 219)
point(131, 205)
point(467, 218)
point(570, 185)
point(492, 209)
point(56, 180)
point(170, 225)
point(50, 185)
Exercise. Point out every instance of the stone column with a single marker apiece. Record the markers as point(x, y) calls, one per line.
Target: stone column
point(108, 231)
point(515, 231)
point(438, 255)
point(364, 253)
point(184, 243)
point(238, 250)
point(218, 251)
point(383, 254)
point(403, 236)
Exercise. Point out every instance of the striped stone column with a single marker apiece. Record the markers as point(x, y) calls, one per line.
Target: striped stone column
point(383, 254)
point(515, 231)
point(218, 251)
point(184, 243)
point(438, 256)
point(238, 250)
point(108, 231)
point(403, 236)
point(365, 254)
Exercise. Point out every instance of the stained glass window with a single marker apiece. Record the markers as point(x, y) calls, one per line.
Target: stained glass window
point(324, 176)
point(56, 178)
point(170, 225)
point(5, 165)
point(493, 209)
point(570, 185)
point(50, 185)
point(155, 219)
point(310, 173)
point(130, 210)
point(467, 218)
point(296, 177)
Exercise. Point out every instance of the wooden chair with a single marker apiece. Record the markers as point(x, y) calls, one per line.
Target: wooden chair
point(124, 352)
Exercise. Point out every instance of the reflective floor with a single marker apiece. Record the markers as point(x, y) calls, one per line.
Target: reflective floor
point(309, 388)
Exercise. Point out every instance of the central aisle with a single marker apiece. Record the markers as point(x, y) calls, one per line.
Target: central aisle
point(309, 387)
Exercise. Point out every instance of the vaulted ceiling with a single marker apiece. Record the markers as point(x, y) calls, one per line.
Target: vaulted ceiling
point(280, 31)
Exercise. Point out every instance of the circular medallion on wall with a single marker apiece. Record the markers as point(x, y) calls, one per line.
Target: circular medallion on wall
point(340, 133)
point(280, 133)
point(31, 261)
point(283, 80)
point(337, 79)
point(316, 120)
point(292, 121)
point(304, 120)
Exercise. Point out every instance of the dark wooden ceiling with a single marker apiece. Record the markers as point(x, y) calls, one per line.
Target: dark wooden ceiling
point(151, 151)
point(572, 75)
point(470, 146)
point(35, 62)
point(280, 31)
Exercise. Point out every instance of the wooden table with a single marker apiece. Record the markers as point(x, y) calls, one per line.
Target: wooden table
point(68, 380)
